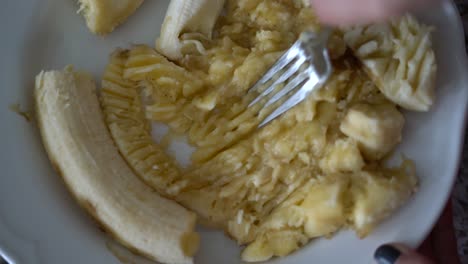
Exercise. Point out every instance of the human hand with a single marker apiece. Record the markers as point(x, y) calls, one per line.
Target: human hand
point(348, 12)
point(399, 254)
point(439, 247)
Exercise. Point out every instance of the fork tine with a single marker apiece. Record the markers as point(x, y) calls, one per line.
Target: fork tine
point(292, 101)
point(288, 73)
point(299, 81)
point(294, 83)
point(284, 60)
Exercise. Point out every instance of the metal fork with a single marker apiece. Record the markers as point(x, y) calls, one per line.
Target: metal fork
point(303, 68)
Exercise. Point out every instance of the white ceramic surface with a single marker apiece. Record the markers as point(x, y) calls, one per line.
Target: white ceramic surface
point(40, 222)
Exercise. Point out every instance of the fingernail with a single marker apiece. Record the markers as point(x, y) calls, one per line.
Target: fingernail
point(386, 254)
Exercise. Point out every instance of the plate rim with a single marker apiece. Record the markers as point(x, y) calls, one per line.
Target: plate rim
point(8, 250)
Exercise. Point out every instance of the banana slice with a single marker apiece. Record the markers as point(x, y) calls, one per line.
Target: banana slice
point(315, 209)
point(377, 128)
point(398, 56)
point(187, 16)
point(342, 156)
point(102, 16)
point(83, 153)
point(376, 194)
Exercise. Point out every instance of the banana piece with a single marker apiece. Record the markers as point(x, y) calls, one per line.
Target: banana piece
point(187, 16)
point(376, 194)
point(342, 156)
point(102, 16)
point(82, 151)
point(377, 128)
point(398, 56)
point(316, 209)
point(124, 115)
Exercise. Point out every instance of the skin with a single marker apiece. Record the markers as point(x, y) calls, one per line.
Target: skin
point(439, 247)
point(348, 12)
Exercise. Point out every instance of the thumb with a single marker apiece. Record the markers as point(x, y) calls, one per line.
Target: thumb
point(399, 254)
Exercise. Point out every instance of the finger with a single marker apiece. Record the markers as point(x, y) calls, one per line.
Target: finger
point(443, 238)
point(342, 12)
point(426, 247)
point(346, 12)
point(399, 254)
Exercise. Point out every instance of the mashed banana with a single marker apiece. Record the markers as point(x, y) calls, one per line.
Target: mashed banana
point(311, 172)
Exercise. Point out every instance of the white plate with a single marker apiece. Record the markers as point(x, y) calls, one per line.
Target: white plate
point(40, 222)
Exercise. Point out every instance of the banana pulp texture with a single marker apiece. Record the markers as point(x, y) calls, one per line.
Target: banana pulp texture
point(308, 174)
point(82, 151)
point(102, 16)
point(399, 58)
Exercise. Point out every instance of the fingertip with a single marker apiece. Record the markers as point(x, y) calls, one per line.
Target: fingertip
point(387, 254)
point(345, 13)
point(399, 254)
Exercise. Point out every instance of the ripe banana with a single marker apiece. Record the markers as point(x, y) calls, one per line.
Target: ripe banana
point(102, 16)
point(377, 193)
point(377, 128)
point(82, 151)
point(124, 115)
point(187, 16)
point(398, 56)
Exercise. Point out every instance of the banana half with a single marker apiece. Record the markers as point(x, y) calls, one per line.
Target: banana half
point(82, 151)
point(102, 16)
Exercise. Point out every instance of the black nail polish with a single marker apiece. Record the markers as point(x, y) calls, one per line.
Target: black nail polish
point(386, 254)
